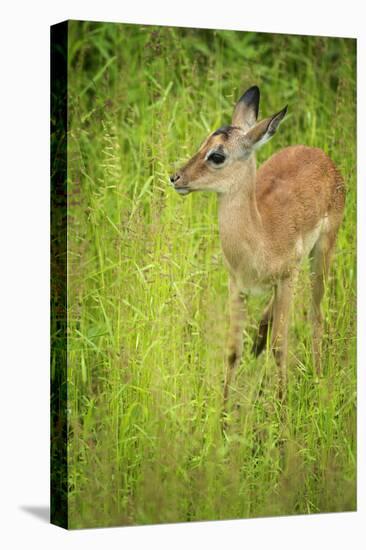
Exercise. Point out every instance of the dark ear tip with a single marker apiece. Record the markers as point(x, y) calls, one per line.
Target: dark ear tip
point(281, 113)
point(253, 89)
point(251, 97)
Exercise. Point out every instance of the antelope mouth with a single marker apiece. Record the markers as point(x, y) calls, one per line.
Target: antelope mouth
point(182, 190)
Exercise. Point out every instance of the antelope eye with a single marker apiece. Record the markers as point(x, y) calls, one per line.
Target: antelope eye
point(216, 158)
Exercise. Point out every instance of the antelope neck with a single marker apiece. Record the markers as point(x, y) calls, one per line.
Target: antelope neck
point(239, 217)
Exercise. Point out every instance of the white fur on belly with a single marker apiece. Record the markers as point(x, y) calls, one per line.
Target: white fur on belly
point(306, 242)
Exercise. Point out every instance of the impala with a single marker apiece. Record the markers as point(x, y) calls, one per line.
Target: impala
point(269, 221)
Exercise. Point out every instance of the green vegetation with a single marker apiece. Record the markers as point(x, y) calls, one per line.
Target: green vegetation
point(147, 298)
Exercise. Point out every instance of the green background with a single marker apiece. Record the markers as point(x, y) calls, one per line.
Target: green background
point(147, 295)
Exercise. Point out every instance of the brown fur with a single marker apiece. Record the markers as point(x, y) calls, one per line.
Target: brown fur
point(299, 185)
point(269, 221)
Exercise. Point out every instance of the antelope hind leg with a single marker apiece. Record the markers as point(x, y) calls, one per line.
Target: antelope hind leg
point(260, 339)
point(281, 311)
point(320, 257)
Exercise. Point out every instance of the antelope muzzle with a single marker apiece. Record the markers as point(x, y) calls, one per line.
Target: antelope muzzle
point(178, 183)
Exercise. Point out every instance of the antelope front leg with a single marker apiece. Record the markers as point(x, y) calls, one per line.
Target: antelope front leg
point(281, 312)
point(235, 343)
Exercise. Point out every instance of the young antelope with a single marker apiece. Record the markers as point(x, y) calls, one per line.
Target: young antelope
point(269, 221)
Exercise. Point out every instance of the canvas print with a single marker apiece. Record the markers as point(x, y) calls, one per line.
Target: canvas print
point(203, 263)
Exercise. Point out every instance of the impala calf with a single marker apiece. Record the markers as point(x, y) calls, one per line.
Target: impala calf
point(269, 221)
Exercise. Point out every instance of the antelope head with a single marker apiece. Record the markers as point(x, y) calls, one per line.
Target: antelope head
point(227, 153)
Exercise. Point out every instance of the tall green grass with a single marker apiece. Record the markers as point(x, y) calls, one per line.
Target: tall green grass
point(147, 295)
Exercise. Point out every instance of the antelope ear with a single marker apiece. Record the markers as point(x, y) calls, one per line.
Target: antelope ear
point(264, 130)
point(246, 110)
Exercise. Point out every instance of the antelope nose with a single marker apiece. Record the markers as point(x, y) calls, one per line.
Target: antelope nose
point(174, 178)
